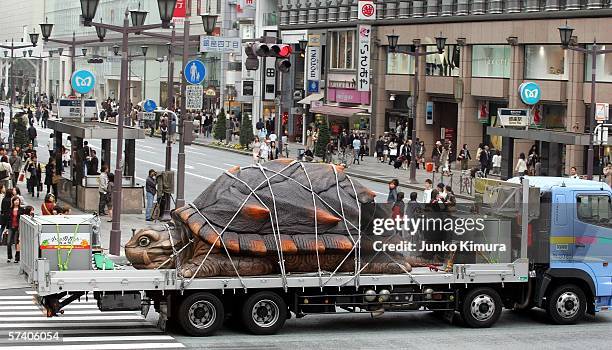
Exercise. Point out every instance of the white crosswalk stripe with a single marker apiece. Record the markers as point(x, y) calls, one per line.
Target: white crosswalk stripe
point(82, 326)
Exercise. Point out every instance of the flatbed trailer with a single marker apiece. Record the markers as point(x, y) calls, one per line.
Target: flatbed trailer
point(261, 304)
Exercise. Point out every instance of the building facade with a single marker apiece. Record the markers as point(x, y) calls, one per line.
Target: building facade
point(492, 48)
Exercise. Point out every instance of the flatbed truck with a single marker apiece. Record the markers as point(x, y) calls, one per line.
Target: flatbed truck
point(559, 263)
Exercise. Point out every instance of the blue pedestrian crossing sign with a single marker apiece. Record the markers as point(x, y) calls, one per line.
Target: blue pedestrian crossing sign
point(195, 71)
point(149, 106)
point(313, 86)
point(83, 81)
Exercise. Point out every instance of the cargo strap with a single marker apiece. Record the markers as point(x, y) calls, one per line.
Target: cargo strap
point(63, 266)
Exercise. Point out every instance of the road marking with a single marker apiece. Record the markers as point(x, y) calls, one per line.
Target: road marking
point(117, 338)
point(73, 324)
point(70, 318)
point(212, 166)
point(15, 297)
point(200, 176)
point(74, 312)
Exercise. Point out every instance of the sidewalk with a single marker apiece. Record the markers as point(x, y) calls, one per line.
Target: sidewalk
point(373, 170)
point(9, 277)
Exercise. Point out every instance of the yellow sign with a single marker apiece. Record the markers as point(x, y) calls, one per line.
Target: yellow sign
point(210, 92)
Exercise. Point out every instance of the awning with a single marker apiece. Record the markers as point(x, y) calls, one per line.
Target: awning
point(312, 97)
point(565, 137)
point(336, 110)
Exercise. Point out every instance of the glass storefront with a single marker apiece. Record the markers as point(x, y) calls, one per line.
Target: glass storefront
point(444, 64)
point(547, 62)
point(604, 66)
point(491, 61)
point(400, 63)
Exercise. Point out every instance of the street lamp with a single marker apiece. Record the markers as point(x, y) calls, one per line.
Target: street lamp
point(88, 9)
point(209, 21)
point(393, 48)
point(84, 51)
point(101, 32)
point(116, 49)
point(565, 32)
point(144, 50)
point(138, 17)
point(12, 47)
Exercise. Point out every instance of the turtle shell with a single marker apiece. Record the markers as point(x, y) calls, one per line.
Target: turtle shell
point(260, 209)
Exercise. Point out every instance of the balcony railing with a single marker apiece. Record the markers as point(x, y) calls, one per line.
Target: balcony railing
point(304, 12)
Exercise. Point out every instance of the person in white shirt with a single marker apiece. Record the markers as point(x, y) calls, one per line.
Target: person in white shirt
point(50, 145)
point(427, 191)
point(5, 172)
point(521, 165)
point(264, 150)
point(497, 163)
point(272, 137)
point(356, 149)
point(574, 173)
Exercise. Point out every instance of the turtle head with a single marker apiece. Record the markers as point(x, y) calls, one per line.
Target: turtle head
point(151, 247)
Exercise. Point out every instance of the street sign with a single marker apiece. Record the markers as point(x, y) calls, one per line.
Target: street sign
point(367, 10)
point(313, 86)
point(70, 109)
point(513, 117)
point(220, 44)
point(149, 106)
point(194, 97)
point(147, 116)
point(602, 111)
point(601, 136)
point(195, 72)
point(363, 70)
point(530, 93)
point(83, 81)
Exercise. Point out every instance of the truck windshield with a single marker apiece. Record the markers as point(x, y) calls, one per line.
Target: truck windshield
point(595, 209)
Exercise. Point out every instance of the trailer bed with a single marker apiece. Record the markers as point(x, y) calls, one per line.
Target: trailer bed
point(129, 279)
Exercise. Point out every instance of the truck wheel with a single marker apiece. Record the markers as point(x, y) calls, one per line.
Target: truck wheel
point(481, 307)
point(264, 313)
point(566, 304)
point(201, 314)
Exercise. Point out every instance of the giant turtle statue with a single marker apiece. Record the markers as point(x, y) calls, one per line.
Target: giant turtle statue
point(284, 217)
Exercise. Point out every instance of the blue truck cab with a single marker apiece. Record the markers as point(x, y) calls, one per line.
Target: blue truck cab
point(570, 247)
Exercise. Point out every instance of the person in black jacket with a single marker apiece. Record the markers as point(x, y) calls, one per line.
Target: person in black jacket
point(34, 182)
point(50, 175)
point(485, 160)
point(11, 217)
point(151, 189)
point(32, 134)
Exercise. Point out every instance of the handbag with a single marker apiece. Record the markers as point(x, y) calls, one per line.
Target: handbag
point(56, 179)
point(4, 240)
point(21, 176)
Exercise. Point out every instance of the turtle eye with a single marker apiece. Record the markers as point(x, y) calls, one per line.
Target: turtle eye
point(144, 241)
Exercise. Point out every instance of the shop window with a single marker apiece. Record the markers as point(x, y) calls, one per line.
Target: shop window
point(546, 62)
point(444, 64)
point(343, 49)
point(491, 61)
point(604, 66)
point(400, 62)
point(553, 116)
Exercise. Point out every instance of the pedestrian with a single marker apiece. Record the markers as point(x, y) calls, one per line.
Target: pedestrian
point(163, 127)
point(607, 172)
point(51, 180)
point(92, 168)
point(414, 207)
point(102, 190)
point(151, 189)
point(380, 148)
point(256, 150)
point(109, 195)
point(45, 117)
point(329, 151)
point(356, 150)
point(48, 206)
point(521, 165)
point(399, 207)
point(436, 154)
point(427, 191)
point(450, 201)
point(12, 219)
point(393, 185)
point(2, 115)
point(440, 188)
point(86, 157)
point(172, 129)
point(264, 150)
point(485, 160)
point(15, 162)
point(38, 115)
point(32, 134)
point(532, 160)
point(273, 153)
point(464, 157)
point(574, 173)
point(50, 147)
point(444, 160)
point(392, 151)
point(5, 171)
point(497, 163)
point(4, 206)
point(34, 172)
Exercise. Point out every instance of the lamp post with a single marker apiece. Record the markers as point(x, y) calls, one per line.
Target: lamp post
point(565, 33)
point(12, 47)
point(144, 50)
point(440, 45)
point(88, 10)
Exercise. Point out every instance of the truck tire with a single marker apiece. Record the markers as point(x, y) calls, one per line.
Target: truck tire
point(481, 307)
point(264, 313)
point(566, 304)
point(200, 314)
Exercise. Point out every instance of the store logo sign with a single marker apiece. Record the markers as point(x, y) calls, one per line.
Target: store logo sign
point(530, 93)
point(83, 81)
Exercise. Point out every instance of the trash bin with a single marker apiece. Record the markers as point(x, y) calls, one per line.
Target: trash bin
point(429, 166)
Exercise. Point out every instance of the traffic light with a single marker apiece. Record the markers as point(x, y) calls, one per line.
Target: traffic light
point(252, 61)
point(262, 49)
point(282, 52)
point(97, 60)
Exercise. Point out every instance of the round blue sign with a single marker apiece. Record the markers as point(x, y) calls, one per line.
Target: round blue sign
point(530, 93)
point(195, 71)
point(149, 106)
point(83, 81)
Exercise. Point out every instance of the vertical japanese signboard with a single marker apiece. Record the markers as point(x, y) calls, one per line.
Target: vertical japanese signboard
point(363, 69)
point(180, 11)
point(313, 57)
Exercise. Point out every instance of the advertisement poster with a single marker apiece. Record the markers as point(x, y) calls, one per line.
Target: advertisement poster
point(363, 70)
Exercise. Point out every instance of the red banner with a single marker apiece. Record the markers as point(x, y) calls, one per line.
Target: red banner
point(180, 10)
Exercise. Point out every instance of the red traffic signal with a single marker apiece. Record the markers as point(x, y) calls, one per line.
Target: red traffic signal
point(281, 50)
